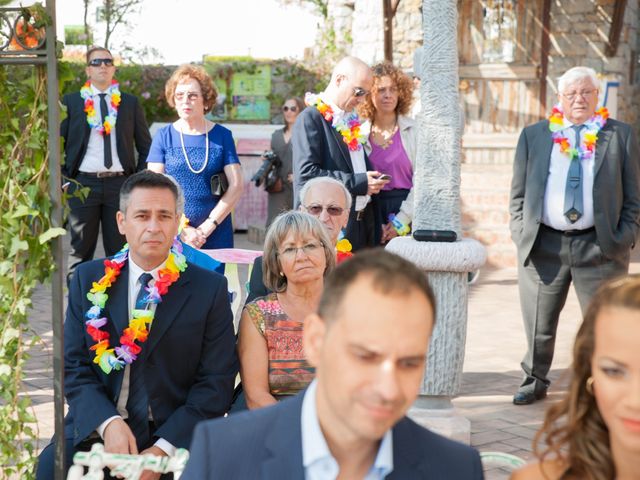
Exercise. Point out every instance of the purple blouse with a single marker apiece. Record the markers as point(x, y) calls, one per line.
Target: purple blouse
point(393, 161)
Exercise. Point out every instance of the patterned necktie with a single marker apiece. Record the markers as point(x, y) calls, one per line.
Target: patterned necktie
point(573, 190)
point(106, 139)
point(138, 401)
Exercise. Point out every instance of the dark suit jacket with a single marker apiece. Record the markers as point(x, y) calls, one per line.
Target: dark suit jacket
point(616, 188)
point(266, 444)
point(131, 127)
point(190, 361)
point(319, 151)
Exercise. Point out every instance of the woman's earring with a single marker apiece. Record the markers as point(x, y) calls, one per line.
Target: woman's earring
point(589, 385)
point(281, 274)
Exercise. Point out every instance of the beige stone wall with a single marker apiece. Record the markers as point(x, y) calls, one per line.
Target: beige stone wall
point(580, 31)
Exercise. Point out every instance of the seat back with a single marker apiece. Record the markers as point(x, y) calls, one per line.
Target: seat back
point(129, 467)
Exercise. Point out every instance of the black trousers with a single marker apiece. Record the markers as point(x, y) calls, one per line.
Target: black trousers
point(360, 229)
point(86, 216)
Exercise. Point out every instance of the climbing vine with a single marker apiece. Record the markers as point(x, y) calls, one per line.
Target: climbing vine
point(25, 251)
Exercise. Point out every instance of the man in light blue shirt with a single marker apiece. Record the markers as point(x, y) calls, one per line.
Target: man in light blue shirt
point(368, 342)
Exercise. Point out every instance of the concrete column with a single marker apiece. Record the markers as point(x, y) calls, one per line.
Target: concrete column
point(437, 207)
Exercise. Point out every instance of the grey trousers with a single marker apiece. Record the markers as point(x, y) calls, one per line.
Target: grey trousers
point(557, 260)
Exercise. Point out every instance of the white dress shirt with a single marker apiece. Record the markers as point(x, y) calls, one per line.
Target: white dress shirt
point(317, 460)
point(93, 160)
point(134, 287)
point(553, 206)
point(357, 157)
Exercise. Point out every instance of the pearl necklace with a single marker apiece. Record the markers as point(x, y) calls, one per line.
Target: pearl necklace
point(206, 147)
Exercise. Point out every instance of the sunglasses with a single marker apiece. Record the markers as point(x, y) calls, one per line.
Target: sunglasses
point(316, 210)
point(359, 92)
point(96, 62)
point(293, 108)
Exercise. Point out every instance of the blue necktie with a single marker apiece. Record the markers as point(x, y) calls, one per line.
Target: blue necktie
point(573, 190)
point(138, 401)
point(106, 139)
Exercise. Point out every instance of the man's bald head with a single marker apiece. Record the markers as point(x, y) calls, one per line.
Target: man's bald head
point(350, 81)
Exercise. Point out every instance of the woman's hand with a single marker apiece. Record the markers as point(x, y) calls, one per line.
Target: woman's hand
point(193, 236)
point(388, 232)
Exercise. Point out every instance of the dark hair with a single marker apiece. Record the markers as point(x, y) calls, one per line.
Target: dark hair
point(200, 75)
point(301, 106)
point(574, 430)
point(389, 273)
point(149, 179)
point(403, 83)
point(96, 48)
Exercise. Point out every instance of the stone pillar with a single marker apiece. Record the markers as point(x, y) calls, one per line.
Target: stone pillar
point(437, 207)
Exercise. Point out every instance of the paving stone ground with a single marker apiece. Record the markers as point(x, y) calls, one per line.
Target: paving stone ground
point(495, 345)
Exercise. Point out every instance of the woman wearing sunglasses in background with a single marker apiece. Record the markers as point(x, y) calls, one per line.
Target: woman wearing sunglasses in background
point(281, 196)
point(201, 156)
point(392, 145)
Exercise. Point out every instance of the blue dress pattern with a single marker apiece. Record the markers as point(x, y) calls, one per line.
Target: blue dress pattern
point(199, 200)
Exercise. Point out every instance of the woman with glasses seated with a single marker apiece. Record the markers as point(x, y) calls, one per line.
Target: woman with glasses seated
point(392, 145)
point(201, 156)
point(593, 433)
point(297, 256)
point(281, 196)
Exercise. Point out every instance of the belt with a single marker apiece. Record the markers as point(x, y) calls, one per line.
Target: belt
point(569, 233)
point(360, 214)
point(101, 174)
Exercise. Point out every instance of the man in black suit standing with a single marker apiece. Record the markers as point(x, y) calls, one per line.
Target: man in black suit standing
point(368, 343)
point(100, 131)
point(146, 364)
point(327, 141)
point(575, 214)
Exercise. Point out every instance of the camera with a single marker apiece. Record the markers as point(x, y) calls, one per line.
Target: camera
point(267, 173)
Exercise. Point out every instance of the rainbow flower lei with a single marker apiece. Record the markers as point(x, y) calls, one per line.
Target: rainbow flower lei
point(93, 118)
point(348, 124)
point(110, 359)
point(587, 146)
point(343, 250)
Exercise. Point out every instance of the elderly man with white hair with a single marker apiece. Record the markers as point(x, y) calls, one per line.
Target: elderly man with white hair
point(575, 214)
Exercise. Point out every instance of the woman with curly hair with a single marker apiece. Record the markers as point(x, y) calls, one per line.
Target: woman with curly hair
point(392, 144)
point(201, 156)
point(594, 432)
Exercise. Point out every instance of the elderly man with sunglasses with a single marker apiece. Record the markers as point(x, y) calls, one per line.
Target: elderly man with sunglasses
point(100, 131)
point(327, 142)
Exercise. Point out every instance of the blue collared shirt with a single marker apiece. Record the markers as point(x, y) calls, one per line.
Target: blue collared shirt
point(317, 460)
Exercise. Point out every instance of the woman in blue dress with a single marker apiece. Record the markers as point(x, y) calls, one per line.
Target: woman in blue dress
point(196, 152)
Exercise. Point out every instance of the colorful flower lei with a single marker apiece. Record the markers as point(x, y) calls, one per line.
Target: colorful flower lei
point(343, 250)
point(348, 124)
point(116, 358)
point(587, 146)
point(93, 118)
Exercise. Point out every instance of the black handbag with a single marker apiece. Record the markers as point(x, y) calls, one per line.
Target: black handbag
point(219, 184)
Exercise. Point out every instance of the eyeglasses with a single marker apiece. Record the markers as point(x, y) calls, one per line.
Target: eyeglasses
point(308, 249)
point(293, 108)
point(359, 92)
point(316, 210)
point(586, 94)
point(96, 62)
point(190, 96)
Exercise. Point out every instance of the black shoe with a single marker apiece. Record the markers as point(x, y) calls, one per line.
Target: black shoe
point(527, 398)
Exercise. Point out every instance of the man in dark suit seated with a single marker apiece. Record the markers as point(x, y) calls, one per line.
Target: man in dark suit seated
point(100, 131)
point(368, 343)
point(141, 385)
